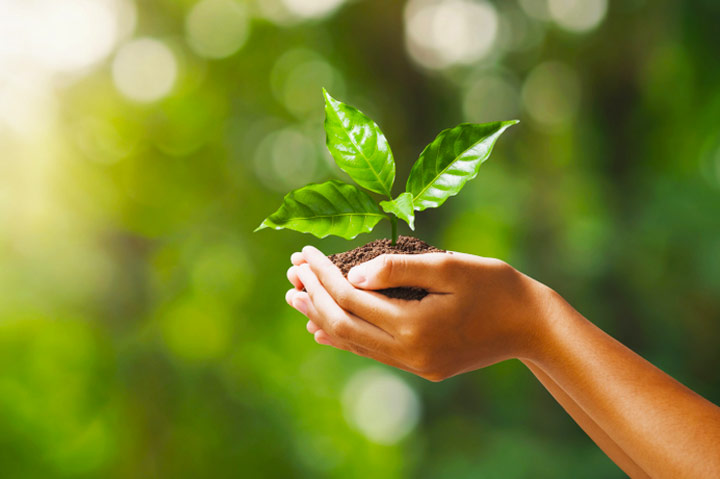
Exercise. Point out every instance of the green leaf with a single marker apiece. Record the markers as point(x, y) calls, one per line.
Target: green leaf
point(451, 160)
point(330, 208)
point(402, 207)
point(358, 146)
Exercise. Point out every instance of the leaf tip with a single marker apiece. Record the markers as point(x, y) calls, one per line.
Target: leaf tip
point(326, 95)
point(261, 227)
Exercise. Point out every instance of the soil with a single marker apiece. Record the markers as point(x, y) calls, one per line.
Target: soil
point(405, 245)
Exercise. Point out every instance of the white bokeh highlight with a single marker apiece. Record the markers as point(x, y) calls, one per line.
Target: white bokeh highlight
point(58, 35)
point(45, 43)
point(217, 28)
point(578, 15)
point(308, 9)
point(443, 33)
point(144, 70)
point(382, 406)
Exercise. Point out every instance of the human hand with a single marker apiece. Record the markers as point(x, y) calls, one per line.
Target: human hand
point(479, 311)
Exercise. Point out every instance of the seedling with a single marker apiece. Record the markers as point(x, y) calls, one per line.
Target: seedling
point(360, 149)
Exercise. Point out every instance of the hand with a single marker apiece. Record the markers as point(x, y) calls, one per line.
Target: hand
point(479, 310)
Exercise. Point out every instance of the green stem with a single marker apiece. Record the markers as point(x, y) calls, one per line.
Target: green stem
point(393, 222)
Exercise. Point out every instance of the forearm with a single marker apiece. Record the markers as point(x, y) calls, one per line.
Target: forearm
point(664, 427)
point(600, 437)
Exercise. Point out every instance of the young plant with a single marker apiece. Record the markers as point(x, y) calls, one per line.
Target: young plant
point(362, 151)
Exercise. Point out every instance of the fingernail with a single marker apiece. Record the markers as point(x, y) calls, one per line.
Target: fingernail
point(309, 248)
point(320, 340)
point(357, 275)
point(300, 305)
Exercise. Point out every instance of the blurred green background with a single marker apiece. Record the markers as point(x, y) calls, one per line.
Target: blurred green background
point(143, 331)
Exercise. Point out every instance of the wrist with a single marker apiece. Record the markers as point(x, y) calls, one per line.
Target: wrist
point(551, 314)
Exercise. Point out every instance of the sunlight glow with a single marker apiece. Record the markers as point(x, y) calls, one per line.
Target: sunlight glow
point(58, 35)
point(47, 41)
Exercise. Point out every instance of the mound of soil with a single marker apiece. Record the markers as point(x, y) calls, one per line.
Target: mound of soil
point(405, 245)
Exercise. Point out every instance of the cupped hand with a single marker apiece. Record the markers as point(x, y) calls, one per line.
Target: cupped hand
point(478, 311)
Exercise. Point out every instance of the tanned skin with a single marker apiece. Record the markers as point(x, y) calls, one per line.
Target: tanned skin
point(481, 311)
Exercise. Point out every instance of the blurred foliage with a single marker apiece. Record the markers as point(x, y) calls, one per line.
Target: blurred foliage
point(144, 332)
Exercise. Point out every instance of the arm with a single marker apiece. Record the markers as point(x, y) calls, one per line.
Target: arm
point(481, 311)
point(600, 437)
point(666, 428)
point(608, 446)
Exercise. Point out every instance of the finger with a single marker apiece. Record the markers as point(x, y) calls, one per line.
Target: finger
point(338, 323)
point(301, 301)
point(430, 271)
point(297, 259)
point(322, 337)
point(290, 296)
point(293, 278)
point(371, 307)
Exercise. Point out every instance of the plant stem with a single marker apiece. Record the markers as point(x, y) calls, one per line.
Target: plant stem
point(393, 222)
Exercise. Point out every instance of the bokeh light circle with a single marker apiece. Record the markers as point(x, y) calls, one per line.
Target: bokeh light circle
point(217, 28)
point(73, 34)
point(380, 405)
point(489, 98)
point(577, 15)
point(311, 8)
point(551, 94)
point(440, 34)
point(286, 159)
point(297, 79)
point(144, 70)
point(537, 9)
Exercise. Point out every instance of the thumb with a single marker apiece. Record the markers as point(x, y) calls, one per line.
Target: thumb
point(427, 271)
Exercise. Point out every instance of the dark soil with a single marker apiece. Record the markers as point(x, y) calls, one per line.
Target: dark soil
point(405, 245)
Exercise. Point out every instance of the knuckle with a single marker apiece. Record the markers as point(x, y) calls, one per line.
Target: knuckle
point(359, 350)
point(434, 377)
point(392, 265)
point(343, 297)
point(501, 266)
point(410, 335)
point(422, 362)
point(341, 327)
point(445, 264)
point(311, 294)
